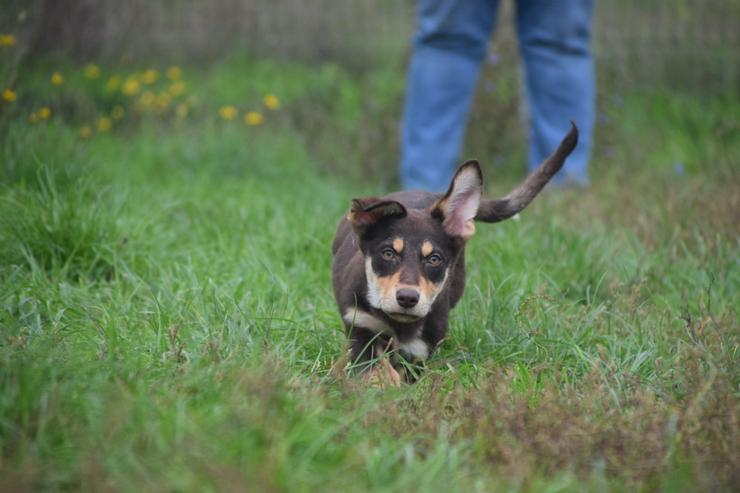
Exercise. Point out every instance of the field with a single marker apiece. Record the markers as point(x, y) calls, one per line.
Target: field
point(167, 321)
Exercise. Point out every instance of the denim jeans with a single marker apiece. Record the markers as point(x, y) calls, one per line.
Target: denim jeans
point(449, 47)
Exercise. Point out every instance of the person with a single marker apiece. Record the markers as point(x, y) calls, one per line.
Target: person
point(449, 46)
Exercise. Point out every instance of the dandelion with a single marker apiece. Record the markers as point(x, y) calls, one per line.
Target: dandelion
point(57, 79)
point(253, 118)
point(43, 113)
point(7, 40)
point(104, 124)
point(86, 131)
point(113, 84)
point(9, 95)
point(177, 88)
point(149, 76)
point(174, 73)
point(271, 102)
point(118, 112)
point(92, 71)
point(182, 110)
point(146, 101)
point(131, 87)
point(227, 112)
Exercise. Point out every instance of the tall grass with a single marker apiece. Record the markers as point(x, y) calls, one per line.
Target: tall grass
point(167, 323)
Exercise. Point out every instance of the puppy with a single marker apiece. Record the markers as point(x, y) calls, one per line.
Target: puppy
point(399, 262)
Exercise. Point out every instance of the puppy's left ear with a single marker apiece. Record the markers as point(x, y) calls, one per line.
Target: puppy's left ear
point(458, 207)
point(368, 212)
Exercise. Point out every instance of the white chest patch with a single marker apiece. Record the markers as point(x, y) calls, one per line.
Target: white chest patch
point(360, 318)
point(416, 348)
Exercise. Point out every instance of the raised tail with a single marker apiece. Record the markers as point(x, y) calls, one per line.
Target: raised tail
point(495, 210)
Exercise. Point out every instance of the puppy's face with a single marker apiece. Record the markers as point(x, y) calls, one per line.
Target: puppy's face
point(409, 253)
point(407, 265)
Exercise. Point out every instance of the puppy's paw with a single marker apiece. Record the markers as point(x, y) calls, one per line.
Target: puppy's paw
point(383, 375)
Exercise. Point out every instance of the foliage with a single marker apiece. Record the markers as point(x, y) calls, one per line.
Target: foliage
point(167, 323)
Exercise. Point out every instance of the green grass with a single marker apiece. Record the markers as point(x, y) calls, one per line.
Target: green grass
point(167, 321)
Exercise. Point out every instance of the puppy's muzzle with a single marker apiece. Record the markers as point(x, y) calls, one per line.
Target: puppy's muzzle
point(407, 297)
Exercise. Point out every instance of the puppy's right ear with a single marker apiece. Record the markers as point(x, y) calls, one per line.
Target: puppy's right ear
point(460, 204)
point(370, 211)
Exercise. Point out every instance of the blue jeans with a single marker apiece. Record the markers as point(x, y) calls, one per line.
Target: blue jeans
point(449, 47)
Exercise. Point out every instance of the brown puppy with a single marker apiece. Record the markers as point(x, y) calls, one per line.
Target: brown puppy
point(399, 260)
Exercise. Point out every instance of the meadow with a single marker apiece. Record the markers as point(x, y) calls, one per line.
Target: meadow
point(167, 321)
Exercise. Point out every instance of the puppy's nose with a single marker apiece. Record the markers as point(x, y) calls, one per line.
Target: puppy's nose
point(407, 298)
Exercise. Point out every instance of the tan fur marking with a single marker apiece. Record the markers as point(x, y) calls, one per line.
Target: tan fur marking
point(398, 245)
point(388, 283)
point(440, 205)
point(426, 249)
point(428, 288)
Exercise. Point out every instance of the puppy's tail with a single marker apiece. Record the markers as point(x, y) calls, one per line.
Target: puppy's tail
point(495, 210)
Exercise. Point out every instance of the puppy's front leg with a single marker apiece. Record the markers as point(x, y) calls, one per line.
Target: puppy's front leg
point(383, 374)
point(368, 353)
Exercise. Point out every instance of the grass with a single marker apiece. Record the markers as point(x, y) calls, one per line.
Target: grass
point(167, 322)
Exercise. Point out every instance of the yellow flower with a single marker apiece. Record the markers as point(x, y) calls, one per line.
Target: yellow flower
point(147, 99)
point(7, 40)
point(271, 102)
point(43, 113)
point(86, 131)
point(92, 71)
point(131, 86)
point(177, 88)
point(104, 124)
point(113, 84)
point(228, 112)
point(118, 112)
point(174, 73)
point(57, 79)
point(9, 96)
point(149, 76)
point(253, 118)
point(182, 110)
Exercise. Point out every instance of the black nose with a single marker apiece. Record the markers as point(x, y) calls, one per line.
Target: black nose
point(407, 298)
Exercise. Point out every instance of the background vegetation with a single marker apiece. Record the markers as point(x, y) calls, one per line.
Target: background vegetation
point(170, 181)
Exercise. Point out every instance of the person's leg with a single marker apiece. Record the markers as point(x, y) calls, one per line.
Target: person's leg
point(450, 43)
point(555, 38)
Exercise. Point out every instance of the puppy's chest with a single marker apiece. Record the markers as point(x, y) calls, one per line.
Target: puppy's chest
point(414, 341)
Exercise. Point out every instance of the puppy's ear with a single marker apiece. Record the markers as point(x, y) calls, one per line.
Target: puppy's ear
point(369, 211)
point(458, 207)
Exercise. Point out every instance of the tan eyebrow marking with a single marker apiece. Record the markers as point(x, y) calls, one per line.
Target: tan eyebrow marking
point(398, 245)
point(426, 248)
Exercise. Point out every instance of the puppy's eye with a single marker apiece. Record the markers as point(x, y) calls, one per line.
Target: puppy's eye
point(388, 254)
point(434, 259)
